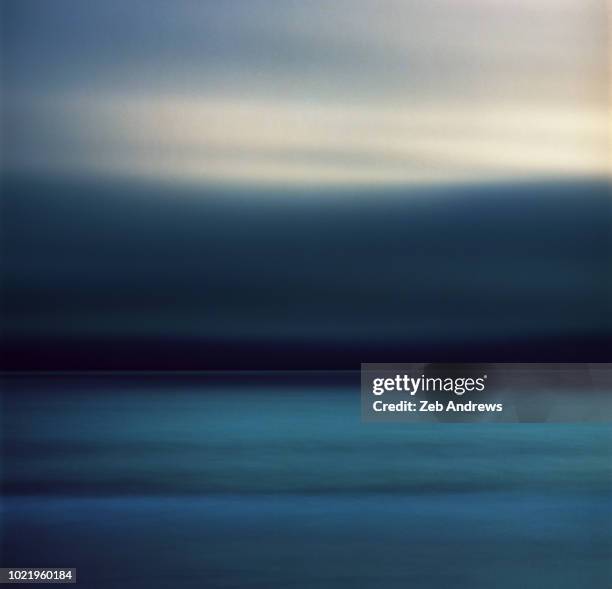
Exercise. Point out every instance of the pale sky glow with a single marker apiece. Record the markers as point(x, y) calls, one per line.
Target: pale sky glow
point(223, 141)
point(312, 93)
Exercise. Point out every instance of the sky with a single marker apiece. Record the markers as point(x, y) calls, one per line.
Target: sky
point(260, 92)
point(282, 184)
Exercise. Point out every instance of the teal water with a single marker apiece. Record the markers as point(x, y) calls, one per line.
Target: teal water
point(192, 481)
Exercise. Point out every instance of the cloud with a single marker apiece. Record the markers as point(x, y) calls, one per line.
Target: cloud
point(196, 139)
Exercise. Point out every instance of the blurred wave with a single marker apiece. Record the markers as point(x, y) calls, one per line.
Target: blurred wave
point(116, 435)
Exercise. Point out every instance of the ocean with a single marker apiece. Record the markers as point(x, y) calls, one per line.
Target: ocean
point(272, 480)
